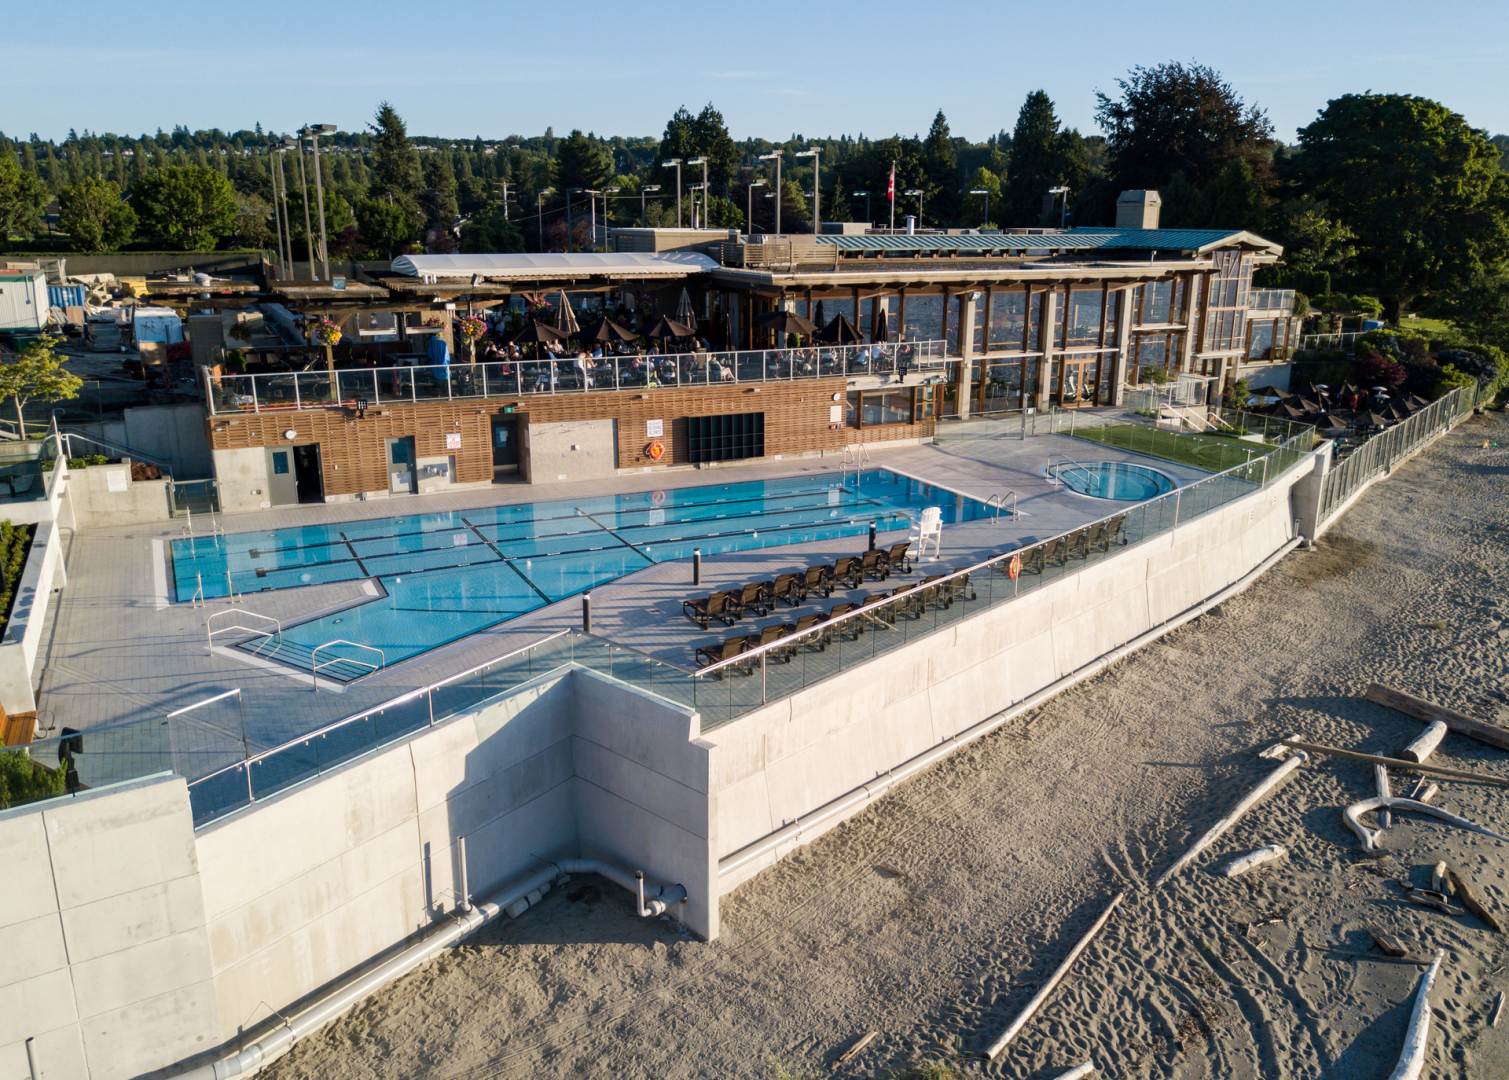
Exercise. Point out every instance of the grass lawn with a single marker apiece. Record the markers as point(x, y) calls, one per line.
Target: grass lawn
point(1214, 453)
point(1433, 327)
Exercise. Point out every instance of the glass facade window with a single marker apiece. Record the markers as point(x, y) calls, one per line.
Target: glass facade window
point(1113, 312)
point(1260, 340)
point(1155, 302)
point(1008, 319)
point(1081, 322)
point(1002, 388)
point(1155, 351)
point(1035, 321)
point(1226, 302)
point(924, 317)
point(870, 407)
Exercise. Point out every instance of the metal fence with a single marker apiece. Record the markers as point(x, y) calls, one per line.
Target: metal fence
point(186, 497)
point(1342, 340)
point(359, 387)
point(1379, 454)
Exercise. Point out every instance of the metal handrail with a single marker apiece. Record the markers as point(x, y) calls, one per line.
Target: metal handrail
point(394, 702)
point(315, 665)
point(1056, 463)
point(1000, 501)
point(236, 394)
point(211, 629)
point(827, 625)
point(115, 448)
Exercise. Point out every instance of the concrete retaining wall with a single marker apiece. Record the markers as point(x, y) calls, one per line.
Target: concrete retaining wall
point(775, 765)
point(105, 959)
point(103, 495)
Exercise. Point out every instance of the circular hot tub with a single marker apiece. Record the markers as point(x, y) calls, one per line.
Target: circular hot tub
point(1121, 481)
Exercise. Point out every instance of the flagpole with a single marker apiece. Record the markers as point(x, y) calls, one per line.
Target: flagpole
point(891, 193)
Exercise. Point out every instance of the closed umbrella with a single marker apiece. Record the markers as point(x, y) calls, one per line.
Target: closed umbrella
point(817, 315)
point(686, 314)
point(565, 318)
point(880, 322)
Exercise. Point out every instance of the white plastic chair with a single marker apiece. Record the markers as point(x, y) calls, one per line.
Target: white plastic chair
point(929, 530)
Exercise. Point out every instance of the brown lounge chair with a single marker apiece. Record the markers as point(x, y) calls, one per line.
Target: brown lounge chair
point(896, 560)
point(849, 629)
point(873, 565)
point(818, 579)
point(718, 606)
point(1113, 533)
point(846, 572)
point(788, 587)
point(754, 597)
point(957, 588)
point(812, 642)
point(910, 600)
point(708, 655)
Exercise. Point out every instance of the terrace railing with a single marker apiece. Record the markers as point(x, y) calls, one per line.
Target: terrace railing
point(359, 387)
point(1342, 340)
point(1270, 300)
point(1380, 453)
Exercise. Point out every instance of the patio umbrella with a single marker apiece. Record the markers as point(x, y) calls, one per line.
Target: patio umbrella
point(880, 322)
point(1332, 422)
point(1309, 406)
point(1371, 419)
point(839, 332)
point(818, 318)
point(536, 332)
point(1283, 408)
point(1270, 391)
point(667, 327)
point(786, 322)
point(728, 331)
point(608, 330)
point(565, 318)
point(686, 314)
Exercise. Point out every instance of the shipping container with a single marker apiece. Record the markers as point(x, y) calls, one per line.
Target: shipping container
point(23, 300)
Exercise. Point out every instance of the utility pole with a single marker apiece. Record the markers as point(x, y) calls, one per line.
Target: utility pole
point(274, 168)
point(703, 162)
point(304, 194)
point(315, 131)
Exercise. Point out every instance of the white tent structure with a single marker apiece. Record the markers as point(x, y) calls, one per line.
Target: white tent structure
point(433, 269)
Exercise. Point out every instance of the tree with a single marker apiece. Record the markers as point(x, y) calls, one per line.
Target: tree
point(1315, 242)
point(386, 226)
point(940, 164)
point(977, 207)
point(438, 200)
point(37, 374)
point(396, 175)
point(94, 215)
point(1042, 157)
point(582, 161)
point(711, 140)
point(253, 227)
point(1420, 188)
point(724, 213)
point(22, 197)
point(1174, 119)
point(185, 207)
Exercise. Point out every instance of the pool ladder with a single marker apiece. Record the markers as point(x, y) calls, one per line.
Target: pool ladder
point(315, 663)
point(1003, 501)
point(1056, 465)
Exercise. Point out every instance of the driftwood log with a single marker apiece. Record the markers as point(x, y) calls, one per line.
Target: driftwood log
point(1078, 1072)
point(854, 1051)
point(1352, 815)
point(1046, 990)
point(1417, 1036)
point(1253, 859)
point(1430, 712)
point(1426, 742)
point(1396, 763)
point(1251, 799)
point(1470, 901)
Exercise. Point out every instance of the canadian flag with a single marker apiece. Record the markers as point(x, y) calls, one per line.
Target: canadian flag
point(890, 191)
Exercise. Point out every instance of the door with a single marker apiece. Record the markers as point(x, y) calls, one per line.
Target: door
point(306, 472)
point(402, 477)
point(505, 444)
point(282, 483)
point(1077, 388)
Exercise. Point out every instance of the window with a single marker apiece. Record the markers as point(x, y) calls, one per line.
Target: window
point(867, 408)
point(1081, 323)
point(725, 438)
point(1008, 319)
point(1155, 302)
point(280, 463)
point(1260, 344)
point(1155, 351)
point(1002, 388)
point(1226, 302)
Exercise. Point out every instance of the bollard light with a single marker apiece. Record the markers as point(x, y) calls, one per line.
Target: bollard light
point(696, 566)
point(586, 613)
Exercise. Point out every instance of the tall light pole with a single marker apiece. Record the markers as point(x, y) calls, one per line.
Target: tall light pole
point(814, 152)
point(1063, 213)
point(570, 192)
point(749, 202)
point(676, 162)
point(315, 131)
point(539, 209)
point(917, 192)
point(775, 155)
point(701, 160)
point(606, 193)
point(643, 218)
point(866, 194)
point(986, 193)
point(279, 204)
point(304, 194)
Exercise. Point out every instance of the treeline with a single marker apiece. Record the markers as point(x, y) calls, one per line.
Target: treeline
point(1383, 195)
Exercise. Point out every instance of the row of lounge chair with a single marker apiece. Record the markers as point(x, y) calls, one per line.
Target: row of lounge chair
point(728, 606)
point(913, 601)
point(1058, 551)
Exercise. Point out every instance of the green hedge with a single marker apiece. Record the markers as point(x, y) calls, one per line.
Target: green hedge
point(15, 542)
point(23, 780)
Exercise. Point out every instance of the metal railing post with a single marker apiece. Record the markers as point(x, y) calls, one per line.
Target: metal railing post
point(1175, 525)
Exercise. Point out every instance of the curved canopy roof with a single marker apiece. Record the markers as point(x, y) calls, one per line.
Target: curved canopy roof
point(664, 264)
point(1081, 239)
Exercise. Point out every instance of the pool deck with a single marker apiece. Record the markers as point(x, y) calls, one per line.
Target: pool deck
point(115, 650)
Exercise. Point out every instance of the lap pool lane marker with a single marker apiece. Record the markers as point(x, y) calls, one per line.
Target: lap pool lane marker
point(506, 561)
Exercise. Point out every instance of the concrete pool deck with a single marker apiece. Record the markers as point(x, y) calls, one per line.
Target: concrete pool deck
point(116, 650)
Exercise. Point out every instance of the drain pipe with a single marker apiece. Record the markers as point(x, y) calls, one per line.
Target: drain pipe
point(513, 901)
point(879, 785)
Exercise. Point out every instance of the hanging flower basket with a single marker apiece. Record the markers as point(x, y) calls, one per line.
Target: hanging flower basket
point(472, 327)
point(325, 332)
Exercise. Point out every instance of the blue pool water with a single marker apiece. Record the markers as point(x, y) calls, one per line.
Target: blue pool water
point(445, 575)
point(1119, 480)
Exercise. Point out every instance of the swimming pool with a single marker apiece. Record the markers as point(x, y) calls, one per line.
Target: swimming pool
point(1118, 480)
point(442, 576)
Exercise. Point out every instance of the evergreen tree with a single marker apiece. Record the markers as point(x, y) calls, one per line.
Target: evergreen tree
point(396, 174)
point(94, 215)
point(439, 198)
point(185, 207)
point(22, 196)
point(940, 165)
point(582, 162)
point(1042, 157)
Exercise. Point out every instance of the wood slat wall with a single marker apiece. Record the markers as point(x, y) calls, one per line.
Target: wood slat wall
point(353, 452)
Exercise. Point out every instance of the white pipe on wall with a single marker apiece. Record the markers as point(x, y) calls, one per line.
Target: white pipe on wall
point(514, 901)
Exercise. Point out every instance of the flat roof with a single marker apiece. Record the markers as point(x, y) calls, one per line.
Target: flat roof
point(1080, 239)
point(631, 264)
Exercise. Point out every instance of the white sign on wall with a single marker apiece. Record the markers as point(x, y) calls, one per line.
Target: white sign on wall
point(117, 480)
point(453, 440)
point(835, 414)
point(654, 429)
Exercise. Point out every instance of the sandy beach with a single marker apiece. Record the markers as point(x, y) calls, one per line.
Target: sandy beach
point(935, 915)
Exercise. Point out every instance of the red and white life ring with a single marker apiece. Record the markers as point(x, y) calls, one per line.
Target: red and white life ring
point(1014, 567)
point(655, 451)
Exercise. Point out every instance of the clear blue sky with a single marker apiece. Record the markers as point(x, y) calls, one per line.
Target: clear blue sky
point(458, 68)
